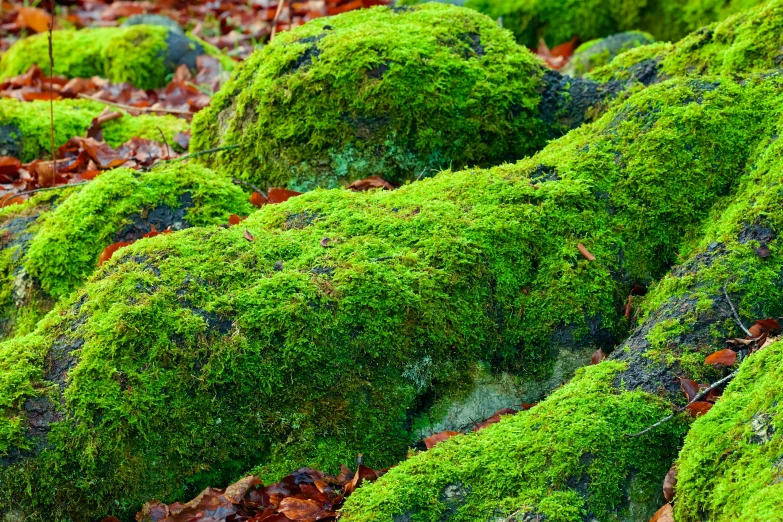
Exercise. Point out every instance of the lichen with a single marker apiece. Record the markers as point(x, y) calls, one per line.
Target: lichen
point(401, 93)
point(143, 55)
point(25, 126)
point(184, 343)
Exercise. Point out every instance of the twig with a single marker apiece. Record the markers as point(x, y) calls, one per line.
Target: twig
point(42, 189)
point(422, 173)
point(196, 155)
point(51, 87)
point(699, 395)
point(168, 149)
point(130, 108)
point(248, 184)
point(734, 312)
point(278, 12)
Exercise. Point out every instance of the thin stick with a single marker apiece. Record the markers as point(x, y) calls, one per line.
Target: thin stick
point(51, 88)
point(248, 184)
point(279, 10)
point(197, 154)
point(734, 312)
point(168, 149)
point(42, 189)
point(699, 395)
point(130, 108)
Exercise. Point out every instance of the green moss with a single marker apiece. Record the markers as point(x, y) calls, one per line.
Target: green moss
point(599, 52)
point(745, 43)
point(566, 459)
point(52, 245)
point(730, 466)
point(25, 126)
point(401, 93)
point(185, 343)
point(143, 55)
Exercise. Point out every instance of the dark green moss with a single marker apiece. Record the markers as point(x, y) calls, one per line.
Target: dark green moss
point(401, 93)
point(185, 343)
point(143, 55)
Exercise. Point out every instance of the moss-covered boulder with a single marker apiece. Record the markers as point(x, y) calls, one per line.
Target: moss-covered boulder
point(601, 51)
point(51, 244)
point(347, 313)
point(557, 21)
point(745, 43)
point(142, 55)
point(569, 459)
point(396, 92)
point(25, 131)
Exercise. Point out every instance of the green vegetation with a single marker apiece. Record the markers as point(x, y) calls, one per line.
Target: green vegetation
point(184, 343)
point(601, 51)
point(143, 55)
point(51, 244)
point(401, 93)
point(25, 126)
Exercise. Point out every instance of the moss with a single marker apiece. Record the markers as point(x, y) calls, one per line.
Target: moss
point(599, 52)
point(745, 43)
point(557, 21)
point(184, 343)
point(401, 93)
point(143, 55)
point(25, 126)
point(567, 459)
point(53, 244)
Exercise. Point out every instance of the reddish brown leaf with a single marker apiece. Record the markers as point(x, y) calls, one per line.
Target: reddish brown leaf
point(629, 307)
point(698, 408)
point(96, 130)
point(249, 236)
point(432, 440)
point(725, 357)
point(586, 253)
point(109, 251)
point(689, 387)
point(766, 325)
point(233, 219)
point(33, 18)
point(257, 199)
point(713, 395)
point(665, 514)
point(670, 483)
point(279, 195)
point(526, 406)
point(598, 356)
point(9, 169)
point(494, 418)
point(362, 473)
point(370, 183)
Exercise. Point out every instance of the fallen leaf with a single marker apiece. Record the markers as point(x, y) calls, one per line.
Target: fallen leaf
point(670, 483)
point(257, 199)
point(33, 18)
point(586, 253)
point(249, 236)
point(665, 514)
point(109, 251)
point(300, 510)
point(725, 357)
point(690, 388)
point(370, 183)
point(432, 440)
point(598, 356)
point(698, 408)
point(629, 307)
point(495, 418)
point(325, 242)
point(96, 130)
point(279, 195)
point(526, 406)
point(233, 219)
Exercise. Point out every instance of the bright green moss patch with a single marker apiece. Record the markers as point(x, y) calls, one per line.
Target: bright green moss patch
point(143, 55)
point(185, 343)
point(25, 126)
point(567, 459)
point(599, 52)
point(730, 467)
point(401, 93)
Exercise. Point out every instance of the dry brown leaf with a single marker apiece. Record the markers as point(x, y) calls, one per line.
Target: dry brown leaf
point(698, 408)
point(257, 199)
point(665, 514)
point(325, 242)
point(33, 18)
point(586, 253)
point(372, 182)
point(279, 195)
point(725, 357)
point(433, 440)
point(670, 483)
point(249, 236)
point(598, 356)
point(690, 388)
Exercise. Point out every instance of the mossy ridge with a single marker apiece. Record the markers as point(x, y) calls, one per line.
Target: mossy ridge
point(745, 43)
point(396, 92)
point(559, 21)
point(567, 459)
point(601, 51)
point(185, 343)
point(25, 126)
point(54, 248)
point(143, 55)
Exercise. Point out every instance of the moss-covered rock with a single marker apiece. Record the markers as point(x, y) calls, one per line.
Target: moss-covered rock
point(601, 51)
point(397, 92)
point(142, 55)
point(51, 244)
point(25, 126)
point(350, 312)
point(557, 21)
point(745, 43)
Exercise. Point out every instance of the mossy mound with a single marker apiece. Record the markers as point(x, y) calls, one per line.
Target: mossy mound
point(557, 21)
point(143, 55)
point(51, 244)
point(745, 43)
point(25, 126)
point(397, 92)
point(566, 460)
point(348, 312)
point(599, 52)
